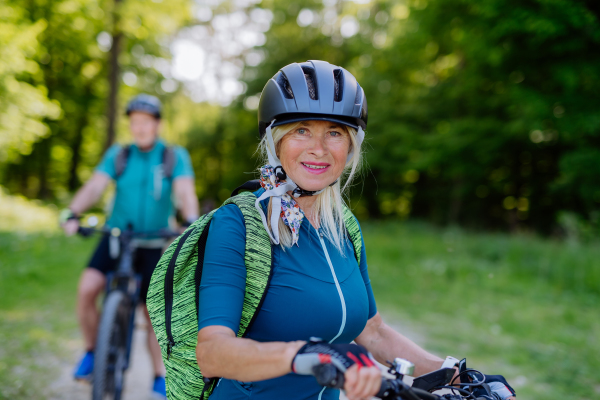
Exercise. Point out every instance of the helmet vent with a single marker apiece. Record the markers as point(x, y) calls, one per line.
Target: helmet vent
point(338, 84)
point(283, 82)
point(309, 75)
point(359, 94)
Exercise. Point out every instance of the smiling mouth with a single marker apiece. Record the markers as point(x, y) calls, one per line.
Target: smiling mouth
point(311, 166)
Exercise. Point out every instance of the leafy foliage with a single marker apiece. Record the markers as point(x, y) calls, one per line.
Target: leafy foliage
point(23, 104)
point(67, 63)
point(482, 113)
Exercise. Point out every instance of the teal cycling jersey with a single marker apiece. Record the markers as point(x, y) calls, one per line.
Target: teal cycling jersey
point(314, 291)
point(143, 192)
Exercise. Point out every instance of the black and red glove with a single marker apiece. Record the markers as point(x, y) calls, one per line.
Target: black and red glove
point(342, 356)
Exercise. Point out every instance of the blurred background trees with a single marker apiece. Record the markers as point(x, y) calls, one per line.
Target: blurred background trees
point(59, 83)
point(483, 114)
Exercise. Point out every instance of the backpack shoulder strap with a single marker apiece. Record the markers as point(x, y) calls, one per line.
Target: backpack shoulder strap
point(252, 186)
point(169, 159)
point(258, 259)
point(121, 160)
point(353, 232)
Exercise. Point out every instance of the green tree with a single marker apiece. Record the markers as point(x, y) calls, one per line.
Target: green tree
point(482, 113)
point(71, 64)
point(23, 101)
point(487, 101)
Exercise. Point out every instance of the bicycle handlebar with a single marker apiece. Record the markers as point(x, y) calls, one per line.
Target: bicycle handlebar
point(161, 233)
point(328, 375)
point(391, 389)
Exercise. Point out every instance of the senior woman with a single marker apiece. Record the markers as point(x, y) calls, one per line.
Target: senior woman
point(311, 118)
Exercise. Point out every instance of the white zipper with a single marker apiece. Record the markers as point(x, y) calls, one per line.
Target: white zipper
point(337, 285)
point(339, 289)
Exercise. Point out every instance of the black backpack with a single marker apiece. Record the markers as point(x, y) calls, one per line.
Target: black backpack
point(169, 160)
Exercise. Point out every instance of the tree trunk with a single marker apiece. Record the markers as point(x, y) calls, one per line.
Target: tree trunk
point(44, 147)
point(113, 77)
point(456, 201)
point(77, 141)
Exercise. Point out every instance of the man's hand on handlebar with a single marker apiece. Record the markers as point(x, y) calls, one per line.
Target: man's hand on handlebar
point(70, 227)
point(69, 221)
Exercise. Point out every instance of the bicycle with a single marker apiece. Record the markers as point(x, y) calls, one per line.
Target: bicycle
point(115, 331)
point(395, 389)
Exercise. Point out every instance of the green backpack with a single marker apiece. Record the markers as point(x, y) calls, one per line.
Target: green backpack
point(173, 295)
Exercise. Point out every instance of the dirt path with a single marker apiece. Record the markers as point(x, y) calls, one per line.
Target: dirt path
point(138, 379)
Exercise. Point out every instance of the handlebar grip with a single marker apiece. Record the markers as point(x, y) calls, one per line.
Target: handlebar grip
point(385, 389)
point(329, 376)
point(83, 231)
point(396, 389)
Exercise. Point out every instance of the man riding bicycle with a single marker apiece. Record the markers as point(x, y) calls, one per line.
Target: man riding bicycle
point(149, 176)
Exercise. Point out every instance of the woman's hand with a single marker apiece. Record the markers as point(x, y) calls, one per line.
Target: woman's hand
point(362, 377)
point(362, 383)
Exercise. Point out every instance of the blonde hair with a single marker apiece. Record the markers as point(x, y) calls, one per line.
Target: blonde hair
point(330, 202)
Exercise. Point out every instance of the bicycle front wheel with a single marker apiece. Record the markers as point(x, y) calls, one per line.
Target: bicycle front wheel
point(110, 357)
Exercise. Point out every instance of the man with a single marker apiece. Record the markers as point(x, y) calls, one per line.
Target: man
point(147, 173)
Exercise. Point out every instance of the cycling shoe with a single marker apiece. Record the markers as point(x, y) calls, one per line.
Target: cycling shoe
point(159, 389)
point(85, 367)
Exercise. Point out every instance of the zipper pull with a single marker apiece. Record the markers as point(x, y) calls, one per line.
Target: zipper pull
point(170, 348)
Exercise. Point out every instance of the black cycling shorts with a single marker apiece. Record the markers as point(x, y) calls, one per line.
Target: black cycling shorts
point(144, 262)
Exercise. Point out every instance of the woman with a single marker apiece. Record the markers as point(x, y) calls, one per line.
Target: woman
point(311, 118)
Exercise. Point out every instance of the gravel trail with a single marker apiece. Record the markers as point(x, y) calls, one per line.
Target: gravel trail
point(138, 379)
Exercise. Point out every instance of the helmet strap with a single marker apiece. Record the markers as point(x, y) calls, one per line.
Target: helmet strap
point(271, 152)
point(360, 136)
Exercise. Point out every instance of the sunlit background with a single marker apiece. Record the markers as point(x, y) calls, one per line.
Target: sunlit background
point(481, 179)
point(483, 115)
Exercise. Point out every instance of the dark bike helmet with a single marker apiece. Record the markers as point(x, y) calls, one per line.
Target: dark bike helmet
point(312, 90)
point(144, 103)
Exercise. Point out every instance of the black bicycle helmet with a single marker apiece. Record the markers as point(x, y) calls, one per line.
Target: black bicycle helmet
point(144, 103)
point(314, 90)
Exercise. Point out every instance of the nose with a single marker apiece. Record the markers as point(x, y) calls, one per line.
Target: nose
point(317, 146)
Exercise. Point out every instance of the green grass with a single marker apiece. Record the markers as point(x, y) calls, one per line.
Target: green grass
point(520, 306)
point(38, 280)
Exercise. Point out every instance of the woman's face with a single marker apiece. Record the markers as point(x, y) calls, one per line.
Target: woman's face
point(314, 154)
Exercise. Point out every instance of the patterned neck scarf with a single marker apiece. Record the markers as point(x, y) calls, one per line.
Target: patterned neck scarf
point(290, 212)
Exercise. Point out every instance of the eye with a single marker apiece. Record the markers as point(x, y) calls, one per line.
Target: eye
point(301, 131)
point(335, 133)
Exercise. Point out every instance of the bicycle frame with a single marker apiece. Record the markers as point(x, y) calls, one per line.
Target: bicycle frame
point(120, 301)
point(127, 281)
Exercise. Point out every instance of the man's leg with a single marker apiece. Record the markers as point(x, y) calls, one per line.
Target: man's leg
point(91, 284)
point(154, 347)
point(146, 260)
